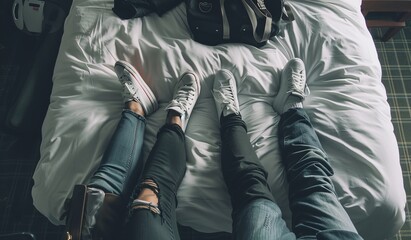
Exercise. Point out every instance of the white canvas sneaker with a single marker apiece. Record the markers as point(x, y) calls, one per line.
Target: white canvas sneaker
point(186, 93)
point(134, 87)
point(225, 93)
point(293, 87)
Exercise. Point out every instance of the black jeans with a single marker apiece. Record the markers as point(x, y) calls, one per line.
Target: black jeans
point(246, 179)
point(316, 211)
point(166, 166)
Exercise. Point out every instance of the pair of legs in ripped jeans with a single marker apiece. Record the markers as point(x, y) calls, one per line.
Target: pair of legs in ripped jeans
point(153, 216)
point(122, 174)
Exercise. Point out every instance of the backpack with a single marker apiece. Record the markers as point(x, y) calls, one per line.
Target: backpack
point(253, 22)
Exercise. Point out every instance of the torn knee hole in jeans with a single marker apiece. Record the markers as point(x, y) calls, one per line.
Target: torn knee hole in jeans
point(150, 184)
point(142, 204)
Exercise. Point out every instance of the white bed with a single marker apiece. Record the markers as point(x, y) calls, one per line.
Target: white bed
point(347, 106)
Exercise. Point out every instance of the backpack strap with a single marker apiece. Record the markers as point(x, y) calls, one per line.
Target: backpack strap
point(287, 13)
point(258, 14)
point(226, 25)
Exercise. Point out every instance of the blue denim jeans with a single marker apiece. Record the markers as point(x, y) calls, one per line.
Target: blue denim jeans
point(316, 211)
point(121, 164)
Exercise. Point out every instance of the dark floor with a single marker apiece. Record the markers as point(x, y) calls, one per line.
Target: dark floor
point(395, 58)
point(20, 133)
point(19, 148)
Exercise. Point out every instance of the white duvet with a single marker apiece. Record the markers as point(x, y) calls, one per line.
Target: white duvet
point(347, 107)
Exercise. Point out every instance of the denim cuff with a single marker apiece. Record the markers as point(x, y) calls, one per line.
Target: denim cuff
point(138, 116)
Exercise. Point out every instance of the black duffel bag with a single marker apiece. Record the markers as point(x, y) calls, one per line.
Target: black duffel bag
point(240, 21)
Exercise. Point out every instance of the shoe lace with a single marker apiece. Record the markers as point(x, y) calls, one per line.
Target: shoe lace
point(226, 96)
point(184, 98)
point(298, 84)
point(128, 88)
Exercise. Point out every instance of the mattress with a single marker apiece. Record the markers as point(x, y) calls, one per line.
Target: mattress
point(347, 106)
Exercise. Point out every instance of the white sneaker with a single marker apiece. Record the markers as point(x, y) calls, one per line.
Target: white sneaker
point(293, 87)
point(134, 87)
point(186, 93)
point(225, 93)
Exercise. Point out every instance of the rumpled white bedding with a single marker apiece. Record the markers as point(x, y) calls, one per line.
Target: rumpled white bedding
point(347, 106)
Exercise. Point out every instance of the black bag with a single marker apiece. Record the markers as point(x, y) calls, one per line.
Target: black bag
point(243, 21)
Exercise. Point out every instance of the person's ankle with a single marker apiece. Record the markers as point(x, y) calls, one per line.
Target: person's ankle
point(135, 107)
point(148, 195)
point(173, 117)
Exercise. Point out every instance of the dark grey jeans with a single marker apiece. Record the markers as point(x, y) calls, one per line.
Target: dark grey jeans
point(166, 166)
point(316, 211)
